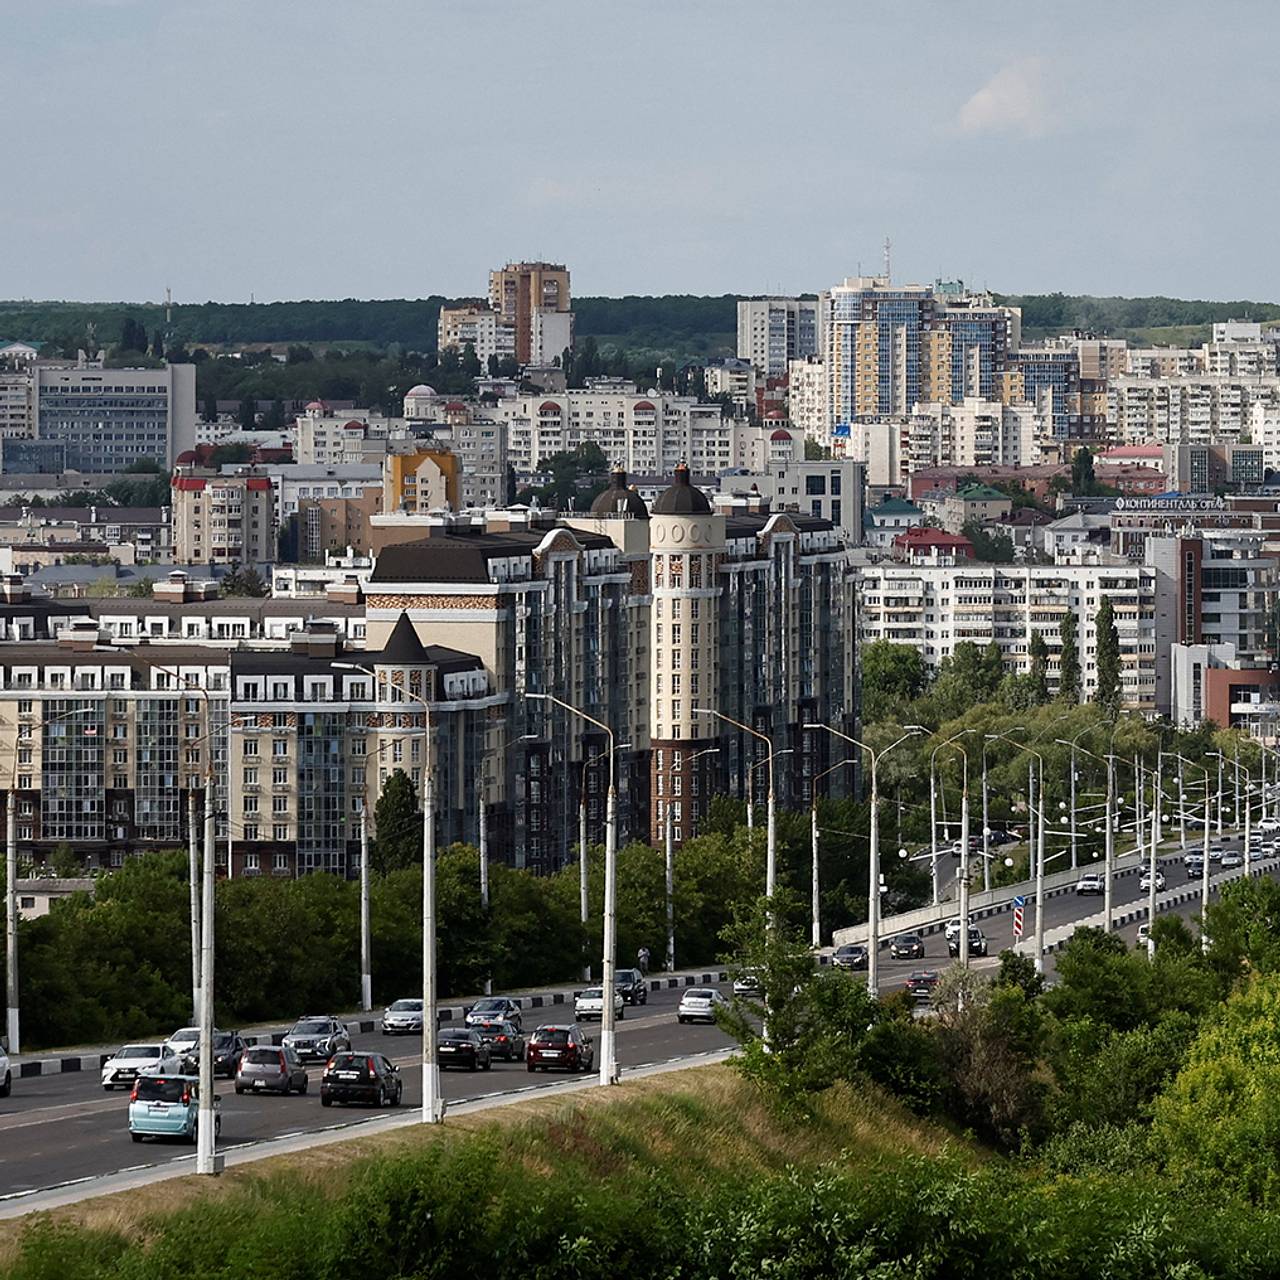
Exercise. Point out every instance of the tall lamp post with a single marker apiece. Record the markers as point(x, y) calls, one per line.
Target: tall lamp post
point(816, 931)
point(432, 1100)
point(1038, 851)
point(1204, 869)
point(609, 962)
point(873, 875)
point(669, 866)
point(933, 807)
point(584, 909)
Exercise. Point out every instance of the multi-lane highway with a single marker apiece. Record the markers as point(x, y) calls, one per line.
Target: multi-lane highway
point(62, 1128)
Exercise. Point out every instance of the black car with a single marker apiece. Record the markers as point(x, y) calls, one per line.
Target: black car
point(921, 984)
point(361, 1077)
point(907, 946)
point(853, 955)
point(560, 1047)
point(977, 943)
point(463, 1047)
point(632, 986)
point(228, 1050)
point(503, 1039)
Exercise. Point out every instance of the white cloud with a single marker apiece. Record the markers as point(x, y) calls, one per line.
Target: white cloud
point(1014, 100)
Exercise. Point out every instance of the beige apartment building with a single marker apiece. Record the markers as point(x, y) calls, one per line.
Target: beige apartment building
point(534, 297)
point(221, 518)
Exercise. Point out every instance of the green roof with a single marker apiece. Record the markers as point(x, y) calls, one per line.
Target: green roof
point(980, 493)
point(896, 506)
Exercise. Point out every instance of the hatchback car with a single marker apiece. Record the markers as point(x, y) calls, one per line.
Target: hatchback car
point(907, 946)
point(1145, 883)
point(271, 1069)
point(402, 1018)
point(361, 1077)
point(463, 1047)
point(503, 1039)
point(1232, 858)
point(128, 1063)
point(590, 1004)
point(168, 1106)
point(316, 1038)
point(228, 1049)
point(495, 1009)
point(632, 986)
point(921, 984)
point(1089, 883)
point(853, 955)
point(699, 1004)
point(559, 1048)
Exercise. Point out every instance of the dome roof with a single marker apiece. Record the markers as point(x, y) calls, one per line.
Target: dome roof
point(421, 390)
point(316, 404)
point(619, 500)
point(549, 406)
point(780, 435)
point(682, 498)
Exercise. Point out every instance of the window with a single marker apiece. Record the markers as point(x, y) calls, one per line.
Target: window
point(279, 777)
point(279, 804)
point(280, 747)
point(815, 486)
point(251, 777)
point(251, 804)
point(251, 746)
point(280, 832)
point(280, 861)
point(120, 757)
point(251, 860)
point(250, 833)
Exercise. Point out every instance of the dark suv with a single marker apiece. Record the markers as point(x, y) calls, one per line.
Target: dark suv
point(559, 1047)
point(632, 986)
point(361, 1077)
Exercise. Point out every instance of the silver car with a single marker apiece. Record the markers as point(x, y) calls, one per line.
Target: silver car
point(699, 1004)
point(590, 1004)
point(317, 1039)
point(402, 1018)
point(271, 1069)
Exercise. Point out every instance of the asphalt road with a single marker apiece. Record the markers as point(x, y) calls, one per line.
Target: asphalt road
point(63, 1128)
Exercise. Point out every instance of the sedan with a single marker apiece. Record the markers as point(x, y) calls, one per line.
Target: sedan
point(699, 1004)
point(747, 983)
point(590, 1004)
point(317, 1038)
point(1090, 883)
point(977, 943)
point(495, 1009)
point(268, 1069)
point(463, 1047)
point(921, 984)
point(907, 946)
point(1145, 883)
point(402, 1018)
point(853, 955)
point(125, 1065)
point(559, 1048)
point(503, 1039)
point(361, 1077)
point(1232, 858)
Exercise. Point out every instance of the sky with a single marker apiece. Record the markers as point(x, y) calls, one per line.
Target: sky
point(286, 149)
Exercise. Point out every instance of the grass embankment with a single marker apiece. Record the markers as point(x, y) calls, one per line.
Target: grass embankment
point(687, 1175)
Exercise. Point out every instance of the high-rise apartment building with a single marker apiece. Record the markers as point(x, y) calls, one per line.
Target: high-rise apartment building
point(478, 325)
point(807, 405)
point(223, 519)
point(774, 331)
point(534, 298)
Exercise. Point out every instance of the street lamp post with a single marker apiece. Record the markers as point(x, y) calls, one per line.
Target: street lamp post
point(432, 1100)
point(873, 875)
point(669, 868)
point(482, 818)
point(815, 937)
point(1204, 869)
point(609, 961)
point(933, 808)
point(583, 895)
point(1036, 849)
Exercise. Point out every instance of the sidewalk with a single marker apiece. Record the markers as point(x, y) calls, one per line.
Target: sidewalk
point(89, 1058)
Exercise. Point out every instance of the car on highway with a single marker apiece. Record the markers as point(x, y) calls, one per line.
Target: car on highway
point(1145, 883)
point(632, 985)
point(1269, 824)
point(921, 984)
point(317, 1037)
point(977, 943)
point(168, 1106)
point(699, 1004)
point(1260, 852)
point(402, 1018)
point(463, 1047)
point(1090, 882)
point(953, 928)
point(503, 1039)
point(1232, 858)
point(184, 1044)
point(1144, 933)
point(6, 1073)
point(1215, 851)
point(370, 1078)
point(907, 946)
point(269, 1068)
point(1193, 863)
point(493, 1008)
point(852, 955)
point(590, 1004)
point(131, 1060)
point(556, 1047)
point(746, 983)
point(228, 1049)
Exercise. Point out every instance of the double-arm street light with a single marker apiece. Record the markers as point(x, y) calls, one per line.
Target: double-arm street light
point(1036, 846)
point(873, 874)
point(1204, 870)
point(669, 864)
point(816, 930)
point(432, 1100)
point(583, 895)
point(608, 966)
point(933, 806)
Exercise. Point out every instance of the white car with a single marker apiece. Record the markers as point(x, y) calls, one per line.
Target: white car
point(1144, 933)
point(699, 1004)
point(184, 1043)
point(1232, 858)
point(1090, 882)
point(590, 1004)
point(127, 1064)
point(1145, 883)
point(953, 928)
point(1269, 824)
point(6, 1073)
point(746, 983)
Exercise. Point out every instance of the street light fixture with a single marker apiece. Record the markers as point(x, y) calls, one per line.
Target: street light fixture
point(815, 937)
point(1038, 848)
point(669, 865)
point(584, 909)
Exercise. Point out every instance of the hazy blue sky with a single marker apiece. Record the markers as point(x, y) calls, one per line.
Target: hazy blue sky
point(395, 148)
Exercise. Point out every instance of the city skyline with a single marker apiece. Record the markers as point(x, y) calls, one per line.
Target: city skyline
point(260, 156)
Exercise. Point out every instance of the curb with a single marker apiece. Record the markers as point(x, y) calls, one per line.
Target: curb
point(25, 1069)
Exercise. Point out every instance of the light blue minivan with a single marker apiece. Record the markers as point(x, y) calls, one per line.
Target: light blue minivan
point(168, 1106)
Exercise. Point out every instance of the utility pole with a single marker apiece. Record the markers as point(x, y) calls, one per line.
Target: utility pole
point(207, 1161)
point(483, 815)
point(1040, 825)
point(1109, 846)
point(193, 889)
point(986, 825)
point(11, 918)
point(669, 863)
point(366, 939)
point(582, 866)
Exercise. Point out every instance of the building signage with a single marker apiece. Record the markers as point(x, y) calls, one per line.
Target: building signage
point(1207, 503)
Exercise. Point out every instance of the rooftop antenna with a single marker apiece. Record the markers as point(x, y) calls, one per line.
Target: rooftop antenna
point(888, 247)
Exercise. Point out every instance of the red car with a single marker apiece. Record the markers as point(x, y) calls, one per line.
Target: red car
point(559, 1047)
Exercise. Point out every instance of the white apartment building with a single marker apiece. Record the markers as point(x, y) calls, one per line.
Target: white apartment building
point(17, 406)
point(1199, 409)
point(226, 519)
point(292, 481)
point(977, 433)
point(932, 609)
point(772, 332)
point(733, 378)
point(882, 445)
point(807, 399)
point(646, 432)
point(478, 325)
point(339, 439)
point(760, 446)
